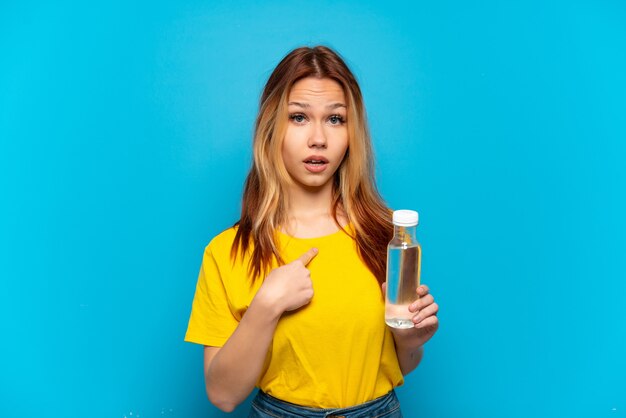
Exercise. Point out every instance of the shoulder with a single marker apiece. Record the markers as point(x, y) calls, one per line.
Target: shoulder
point(224, 238)
point(222, 243)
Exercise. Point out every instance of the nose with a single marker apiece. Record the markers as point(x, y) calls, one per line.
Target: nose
point(317, 139)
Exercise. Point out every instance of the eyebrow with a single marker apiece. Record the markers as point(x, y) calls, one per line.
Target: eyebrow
point(306, 105)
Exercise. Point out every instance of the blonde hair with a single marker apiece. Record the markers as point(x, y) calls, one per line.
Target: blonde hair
point(264, 207)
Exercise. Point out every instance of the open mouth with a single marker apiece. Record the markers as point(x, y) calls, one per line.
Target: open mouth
point(316, 160)
point(315, 163)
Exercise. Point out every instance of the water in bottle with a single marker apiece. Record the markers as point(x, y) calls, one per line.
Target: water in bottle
point(403, 270)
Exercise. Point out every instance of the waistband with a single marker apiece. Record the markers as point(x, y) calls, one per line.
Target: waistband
point(386, 406)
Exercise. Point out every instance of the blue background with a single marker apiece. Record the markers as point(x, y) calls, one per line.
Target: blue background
point(125, 132)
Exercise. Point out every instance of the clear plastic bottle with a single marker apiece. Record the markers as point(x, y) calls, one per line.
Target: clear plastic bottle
point(404, 256)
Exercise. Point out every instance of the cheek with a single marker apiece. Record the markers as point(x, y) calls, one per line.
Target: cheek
point(293, 137)
point(287, 150)
point(343, 145)
point(290, 152)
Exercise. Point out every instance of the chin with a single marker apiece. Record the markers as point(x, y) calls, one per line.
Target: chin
point(315, 184)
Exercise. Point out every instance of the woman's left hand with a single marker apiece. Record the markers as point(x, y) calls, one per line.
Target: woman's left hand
point(425, 320)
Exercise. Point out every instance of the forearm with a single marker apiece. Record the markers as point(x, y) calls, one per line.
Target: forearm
point(235, 369)
point(409, 353)
point(232, 373)
point(410, 342)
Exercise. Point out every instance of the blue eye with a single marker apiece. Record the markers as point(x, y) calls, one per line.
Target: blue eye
point(336, 120)
point(298, 118)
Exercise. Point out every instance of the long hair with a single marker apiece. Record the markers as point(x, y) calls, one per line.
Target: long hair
point(264, 206)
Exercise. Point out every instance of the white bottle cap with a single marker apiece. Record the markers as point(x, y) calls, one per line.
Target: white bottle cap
point(405, 217)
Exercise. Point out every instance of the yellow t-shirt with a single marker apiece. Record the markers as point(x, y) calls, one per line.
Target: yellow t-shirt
point(335, 352)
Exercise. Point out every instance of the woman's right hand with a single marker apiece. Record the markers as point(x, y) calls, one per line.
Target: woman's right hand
point(288, 287)
point(231, 371)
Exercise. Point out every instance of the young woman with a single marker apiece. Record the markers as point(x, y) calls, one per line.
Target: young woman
point(290, 298)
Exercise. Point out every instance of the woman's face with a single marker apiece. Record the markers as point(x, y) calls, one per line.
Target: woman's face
point(317, 135)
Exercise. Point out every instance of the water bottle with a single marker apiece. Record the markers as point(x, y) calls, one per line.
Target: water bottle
point(403, 269)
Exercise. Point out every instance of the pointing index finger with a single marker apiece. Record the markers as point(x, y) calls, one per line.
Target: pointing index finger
point(308, 256)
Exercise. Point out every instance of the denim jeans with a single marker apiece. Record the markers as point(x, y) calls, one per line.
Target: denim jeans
point(265, 406)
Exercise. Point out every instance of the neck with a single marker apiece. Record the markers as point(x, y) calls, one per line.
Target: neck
point(309, 212)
